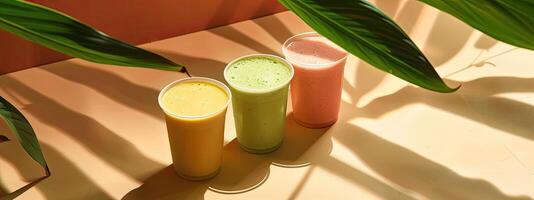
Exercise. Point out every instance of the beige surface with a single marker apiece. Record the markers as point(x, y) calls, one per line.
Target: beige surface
point(104, 136)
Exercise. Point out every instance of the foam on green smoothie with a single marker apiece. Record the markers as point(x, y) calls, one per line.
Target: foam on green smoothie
point(258, 73)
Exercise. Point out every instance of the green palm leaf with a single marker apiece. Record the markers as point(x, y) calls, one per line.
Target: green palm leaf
point(363, 30)
point(510, 21)
point(23, 132)
point(69, 36)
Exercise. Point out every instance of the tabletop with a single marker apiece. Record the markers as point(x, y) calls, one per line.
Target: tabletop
point(104, 137)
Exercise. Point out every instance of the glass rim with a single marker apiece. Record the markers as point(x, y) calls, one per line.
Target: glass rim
point(266, 90)
point(307, 34)
point(189, 79)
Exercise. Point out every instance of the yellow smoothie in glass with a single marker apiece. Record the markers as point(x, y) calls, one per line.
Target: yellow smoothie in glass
point(195, 110)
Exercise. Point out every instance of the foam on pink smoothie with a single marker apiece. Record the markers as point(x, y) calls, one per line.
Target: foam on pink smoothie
point(314, 50)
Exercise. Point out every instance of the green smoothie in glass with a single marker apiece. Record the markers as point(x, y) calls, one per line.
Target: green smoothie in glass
point(259, 85)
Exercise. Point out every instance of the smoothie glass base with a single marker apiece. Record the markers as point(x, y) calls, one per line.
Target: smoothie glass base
point(260, 151)
point(198, 178)
point(315, 126)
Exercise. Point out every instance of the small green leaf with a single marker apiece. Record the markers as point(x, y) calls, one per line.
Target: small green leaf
point(23, 132)
point(366, 32)
point(510, 21)
point(65, 34)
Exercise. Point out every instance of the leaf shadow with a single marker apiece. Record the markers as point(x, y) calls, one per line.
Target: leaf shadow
point(233, 34)
point(130, 94)
point(362, 179)
point(414, 172)
point(485, 42)
point(87, 131)
point(475, 101)
point(388, 7)
point(408, 15)
point(274, 26)
point(67, 174)
point(443, 43)
point(12, 195)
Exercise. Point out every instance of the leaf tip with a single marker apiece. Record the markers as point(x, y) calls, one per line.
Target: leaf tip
point(450, 90)
point(184, 70)
point(47, 171)
point(3, 138)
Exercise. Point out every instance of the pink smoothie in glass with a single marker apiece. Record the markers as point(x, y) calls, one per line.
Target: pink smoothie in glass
point(316, 85)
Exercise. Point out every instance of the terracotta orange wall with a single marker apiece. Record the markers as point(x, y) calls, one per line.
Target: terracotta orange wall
point(134, 21)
